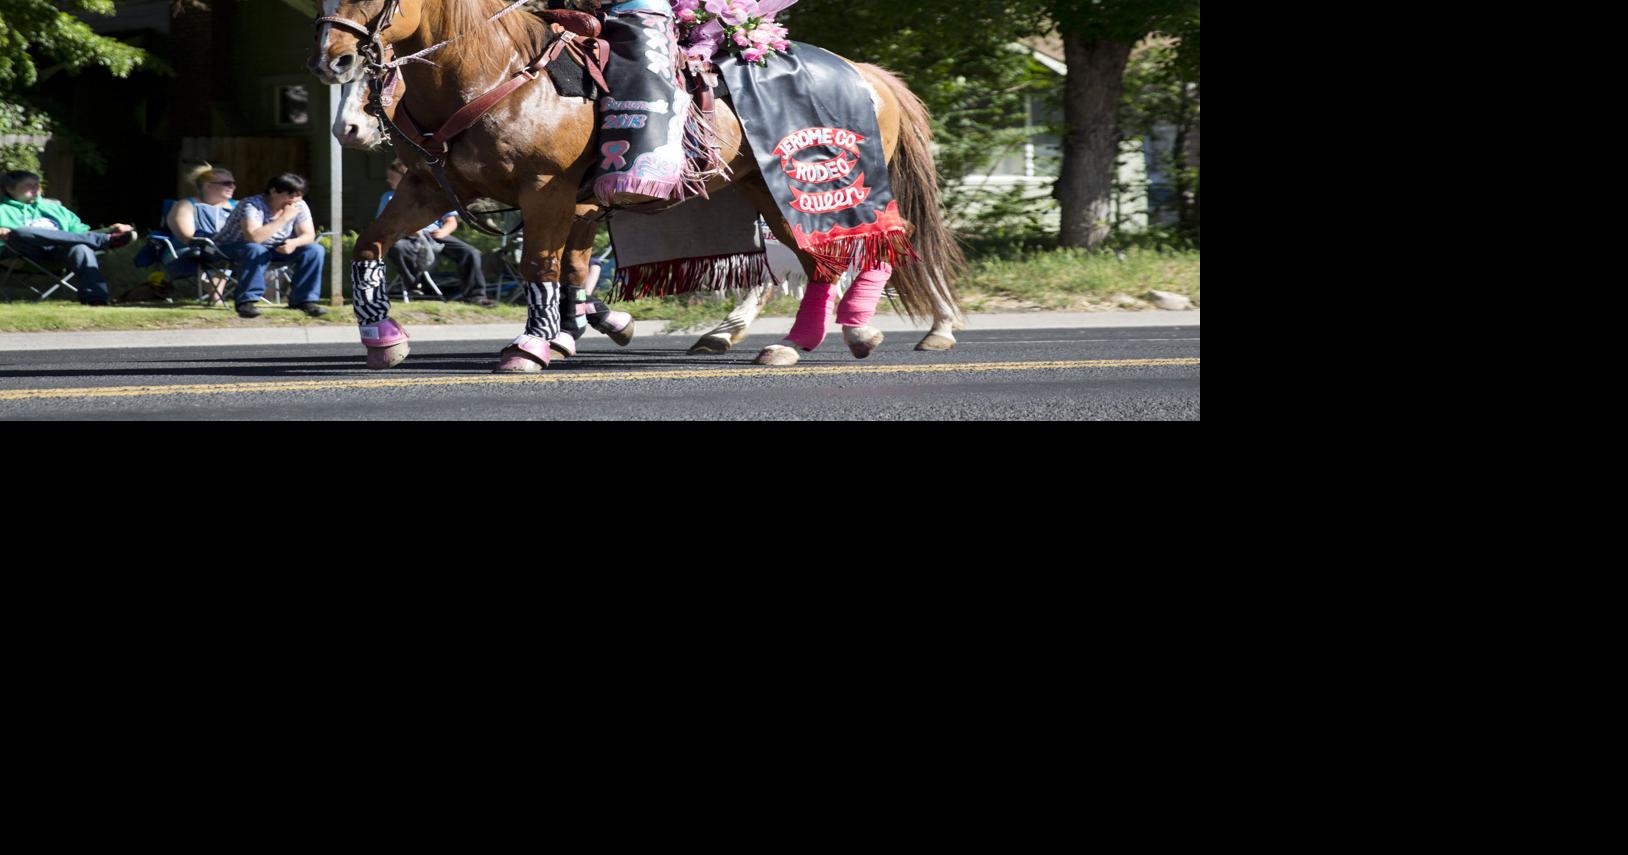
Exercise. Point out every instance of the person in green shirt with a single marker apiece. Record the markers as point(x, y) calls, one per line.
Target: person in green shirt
point(43, 230)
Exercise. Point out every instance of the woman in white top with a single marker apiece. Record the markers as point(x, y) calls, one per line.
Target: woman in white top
point(202, 216)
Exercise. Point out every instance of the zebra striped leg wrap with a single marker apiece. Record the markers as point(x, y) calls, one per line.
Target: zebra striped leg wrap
point(367, 288)
point(543, 309)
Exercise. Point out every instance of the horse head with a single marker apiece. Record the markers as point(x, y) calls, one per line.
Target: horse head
point(355, 127)
point(353, 34)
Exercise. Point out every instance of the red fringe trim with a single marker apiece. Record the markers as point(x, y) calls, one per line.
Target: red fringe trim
point(886, 239)
point(683, 276)
point(832, 258)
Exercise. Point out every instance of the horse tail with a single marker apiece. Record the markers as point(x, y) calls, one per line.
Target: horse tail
point(925, 287)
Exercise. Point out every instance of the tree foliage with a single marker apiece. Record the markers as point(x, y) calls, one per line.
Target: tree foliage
point(31, 30)
point(39, 32)
point(958, 58)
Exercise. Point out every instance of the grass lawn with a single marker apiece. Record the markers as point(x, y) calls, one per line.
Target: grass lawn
point(1051, 280)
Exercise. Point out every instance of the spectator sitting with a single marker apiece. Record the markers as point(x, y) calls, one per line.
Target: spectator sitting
point(272, 227)
point(202, 216)
point(416, 253)
point(43, 230)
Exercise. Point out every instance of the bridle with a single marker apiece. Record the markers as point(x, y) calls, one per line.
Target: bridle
point(383, 72)
point(380, 69)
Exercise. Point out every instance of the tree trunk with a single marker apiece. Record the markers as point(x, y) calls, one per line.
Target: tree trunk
point(1096, 78)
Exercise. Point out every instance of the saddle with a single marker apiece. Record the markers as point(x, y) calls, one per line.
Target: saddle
point(580, 23)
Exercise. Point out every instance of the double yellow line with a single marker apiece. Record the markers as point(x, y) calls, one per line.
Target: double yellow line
point(400, 382)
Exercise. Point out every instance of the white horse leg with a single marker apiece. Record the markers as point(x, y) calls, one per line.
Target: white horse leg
point(734, 328)
point(945, 319)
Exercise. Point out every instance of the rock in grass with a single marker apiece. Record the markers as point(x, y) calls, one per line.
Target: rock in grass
point(1169, 302)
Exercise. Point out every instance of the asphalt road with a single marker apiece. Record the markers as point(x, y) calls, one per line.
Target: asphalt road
point(1149, 373)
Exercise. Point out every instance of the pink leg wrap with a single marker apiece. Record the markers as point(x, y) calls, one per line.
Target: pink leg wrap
point(812, 314)
point(859, 304)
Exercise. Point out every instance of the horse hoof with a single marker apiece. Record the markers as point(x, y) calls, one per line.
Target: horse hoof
point(776, 354)
point(862, 340)
point(513, 360)
point(713, 344)
point(380, 358)
point(934, 341)
point(564, 345)
point(624, 336)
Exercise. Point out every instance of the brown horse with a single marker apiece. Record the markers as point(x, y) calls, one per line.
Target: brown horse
point(534, 148)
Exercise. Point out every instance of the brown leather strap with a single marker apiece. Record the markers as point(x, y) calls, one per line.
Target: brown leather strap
point(436, 141)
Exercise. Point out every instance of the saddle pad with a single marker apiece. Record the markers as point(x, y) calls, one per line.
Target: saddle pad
point(571, 78)
point(705, 243)
point(810, 118)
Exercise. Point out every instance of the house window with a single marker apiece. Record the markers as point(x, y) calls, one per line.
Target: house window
point(293, 106)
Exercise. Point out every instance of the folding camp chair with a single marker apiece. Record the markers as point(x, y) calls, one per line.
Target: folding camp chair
point(508, 253)
point(424, 282)
point(14, 262)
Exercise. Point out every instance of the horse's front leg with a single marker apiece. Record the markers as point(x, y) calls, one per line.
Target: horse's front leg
point(547, 212)
point(417, 201)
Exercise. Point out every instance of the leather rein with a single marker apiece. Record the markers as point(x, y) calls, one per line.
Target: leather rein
point(384, 80)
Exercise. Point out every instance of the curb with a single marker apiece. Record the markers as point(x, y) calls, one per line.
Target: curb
point(501, 333)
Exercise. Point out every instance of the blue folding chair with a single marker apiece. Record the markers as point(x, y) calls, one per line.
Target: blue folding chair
point(216, 282)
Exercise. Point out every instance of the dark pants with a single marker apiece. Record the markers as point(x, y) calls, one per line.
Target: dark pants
point(407, 259)
point(253, 260)
point(76, 252)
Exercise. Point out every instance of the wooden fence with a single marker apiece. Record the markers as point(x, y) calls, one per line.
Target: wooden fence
point(252, 160)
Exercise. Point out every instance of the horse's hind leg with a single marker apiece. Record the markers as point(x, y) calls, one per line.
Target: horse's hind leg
point(942, 335)
point(386, 340)
point(734, 328)
point(858, 309)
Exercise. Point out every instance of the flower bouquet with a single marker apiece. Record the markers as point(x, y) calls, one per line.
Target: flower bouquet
point(744, 27)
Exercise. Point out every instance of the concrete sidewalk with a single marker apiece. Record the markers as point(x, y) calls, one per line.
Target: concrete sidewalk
point(501, 333)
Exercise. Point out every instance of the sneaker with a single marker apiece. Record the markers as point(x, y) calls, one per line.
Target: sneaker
point(481, 300)
point(248, 310)
point(312, 309)
point(121, 240)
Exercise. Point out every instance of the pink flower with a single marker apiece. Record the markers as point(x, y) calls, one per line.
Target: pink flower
point(752, 55)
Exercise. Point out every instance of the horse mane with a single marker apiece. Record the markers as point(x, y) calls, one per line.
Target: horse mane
point(487, 45)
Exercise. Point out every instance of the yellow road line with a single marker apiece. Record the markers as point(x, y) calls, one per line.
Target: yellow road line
point(570, 377)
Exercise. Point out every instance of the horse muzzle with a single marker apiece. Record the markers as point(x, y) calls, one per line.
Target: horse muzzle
point(339, 70)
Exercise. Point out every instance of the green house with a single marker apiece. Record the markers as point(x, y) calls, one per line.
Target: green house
point(240, 97)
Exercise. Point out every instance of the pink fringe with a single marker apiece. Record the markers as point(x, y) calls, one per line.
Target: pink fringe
point(702, 145)
point(610, 185)
point(683, 276)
